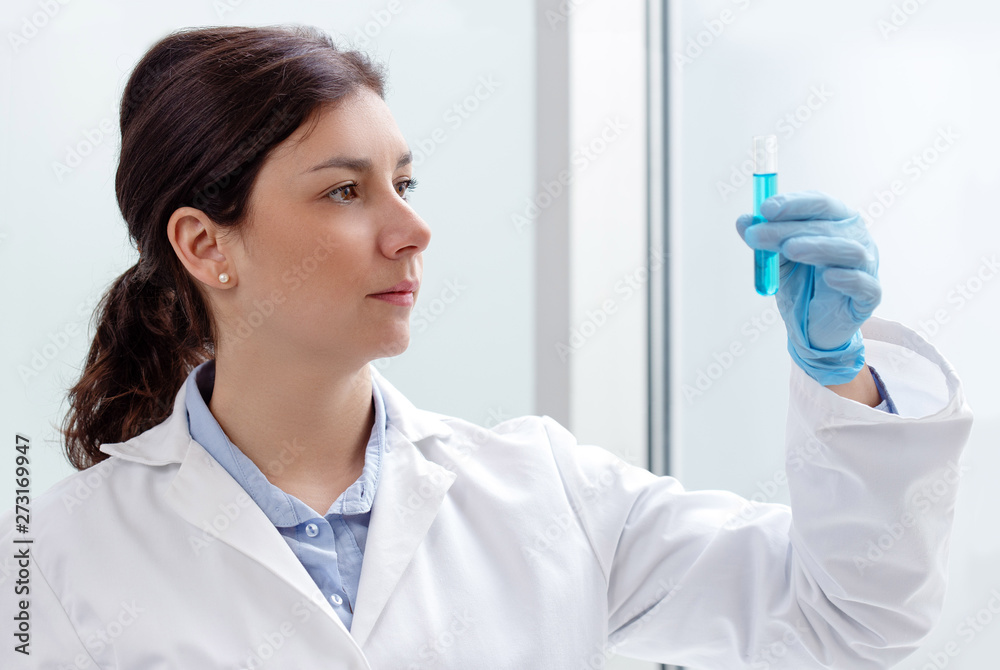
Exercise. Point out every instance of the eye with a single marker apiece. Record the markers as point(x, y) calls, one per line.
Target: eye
point(408, 185)
point(350, 190)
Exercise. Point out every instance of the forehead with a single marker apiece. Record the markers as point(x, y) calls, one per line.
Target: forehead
point(358, 125)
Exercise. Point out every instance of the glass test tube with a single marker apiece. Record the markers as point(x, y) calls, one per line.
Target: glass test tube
point(765, 184)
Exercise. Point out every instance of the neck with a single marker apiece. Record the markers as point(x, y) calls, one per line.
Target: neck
point(306, 426)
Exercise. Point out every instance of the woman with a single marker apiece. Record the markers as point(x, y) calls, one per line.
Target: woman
point(253, 493)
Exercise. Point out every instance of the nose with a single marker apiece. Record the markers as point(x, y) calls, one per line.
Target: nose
point(403, 232)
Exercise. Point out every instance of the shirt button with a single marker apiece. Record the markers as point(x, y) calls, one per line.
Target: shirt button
point(312, 530)
point(337, 600)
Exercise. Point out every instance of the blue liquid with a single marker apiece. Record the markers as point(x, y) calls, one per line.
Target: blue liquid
point(765, 270)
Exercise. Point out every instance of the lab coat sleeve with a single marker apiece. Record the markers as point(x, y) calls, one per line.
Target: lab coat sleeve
point(851, 575)
point(53, 641)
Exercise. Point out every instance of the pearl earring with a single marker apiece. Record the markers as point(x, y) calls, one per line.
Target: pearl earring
point(223, 277)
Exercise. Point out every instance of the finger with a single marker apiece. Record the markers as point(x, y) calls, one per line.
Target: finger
point(742, 223)
point(864, 290)
point(804, 206)
point(826, 252)
point(775, 233)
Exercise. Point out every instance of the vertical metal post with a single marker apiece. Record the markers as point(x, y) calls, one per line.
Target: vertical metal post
point(658, 237)
point(552, 243)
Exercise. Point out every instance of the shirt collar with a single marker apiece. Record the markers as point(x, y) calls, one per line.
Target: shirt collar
point(281, 508)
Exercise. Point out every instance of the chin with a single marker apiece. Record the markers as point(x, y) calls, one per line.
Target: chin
point(392, 348)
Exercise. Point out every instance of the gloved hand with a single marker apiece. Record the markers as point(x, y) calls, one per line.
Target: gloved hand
point(829, 279)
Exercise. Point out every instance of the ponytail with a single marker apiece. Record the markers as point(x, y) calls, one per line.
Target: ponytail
point(148, 339)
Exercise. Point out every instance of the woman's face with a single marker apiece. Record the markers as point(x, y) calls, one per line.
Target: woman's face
point(329, 227)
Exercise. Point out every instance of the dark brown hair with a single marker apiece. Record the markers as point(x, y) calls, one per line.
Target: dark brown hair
point(200, 113)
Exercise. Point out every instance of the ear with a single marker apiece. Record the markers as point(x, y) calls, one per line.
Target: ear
point(201, 246)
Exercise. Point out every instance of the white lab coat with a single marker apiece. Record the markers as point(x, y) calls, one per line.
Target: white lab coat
point(516, 547)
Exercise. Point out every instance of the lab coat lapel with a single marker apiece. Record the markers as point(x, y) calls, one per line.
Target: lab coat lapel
point(215, 505)
point(410, 492)
point(206, 496)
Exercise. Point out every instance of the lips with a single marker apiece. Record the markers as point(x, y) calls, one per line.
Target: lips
point(405, 286)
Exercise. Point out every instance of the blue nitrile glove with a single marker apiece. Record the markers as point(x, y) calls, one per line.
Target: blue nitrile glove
point(829, 279)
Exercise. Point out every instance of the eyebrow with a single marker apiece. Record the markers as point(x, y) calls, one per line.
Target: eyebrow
point(357, 164)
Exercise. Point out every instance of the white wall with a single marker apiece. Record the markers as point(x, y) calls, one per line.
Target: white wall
point(887, 95)
point(610, 263)
point(608, 228)
point(63, 241)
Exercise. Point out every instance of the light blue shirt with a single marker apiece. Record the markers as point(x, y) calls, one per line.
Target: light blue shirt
point(330, 547)
point(887, 405)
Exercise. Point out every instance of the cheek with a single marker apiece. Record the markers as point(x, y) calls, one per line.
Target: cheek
point(304, 262)
point(318, 268)
point(321, 283)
